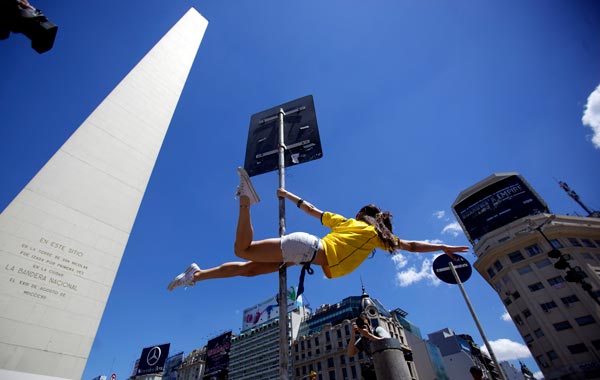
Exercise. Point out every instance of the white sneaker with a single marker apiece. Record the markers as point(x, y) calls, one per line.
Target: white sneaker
point(184, 279)
point(246, 188)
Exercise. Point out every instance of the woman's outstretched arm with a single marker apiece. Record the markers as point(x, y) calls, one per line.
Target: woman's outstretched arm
point(303, 205)
point(421, 246)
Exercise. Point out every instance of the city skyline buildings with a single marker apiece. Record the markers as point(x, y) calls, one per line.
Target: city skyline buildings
point(454, 86)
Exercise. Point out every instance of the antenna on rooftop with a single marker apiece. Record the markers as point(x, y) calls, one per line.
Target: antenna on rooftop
point(575, 197)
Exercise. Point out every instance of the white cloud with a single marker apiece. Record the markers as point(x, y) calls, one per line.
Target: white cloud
point(439, 214)
point(412, 275)
point(453, 229)
point(506, 349)
point(400, 261)
point(506, 317)
point(538, 375)
point(433, 241)
point(591, 116)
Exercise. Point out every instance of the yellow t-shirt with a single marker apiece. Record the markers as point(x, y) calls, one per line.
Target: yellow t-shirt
point(348, 244)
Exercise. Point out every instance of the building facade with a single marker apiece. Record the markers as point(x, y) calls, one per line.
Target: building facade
point(460, 353)
point(546, 270)
point(192, 367)
point(427, 357)
point(323, 338)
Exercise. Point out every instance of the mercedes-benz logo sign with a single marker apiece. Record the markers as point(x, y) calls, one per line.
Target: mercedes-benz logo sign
point(153, 356)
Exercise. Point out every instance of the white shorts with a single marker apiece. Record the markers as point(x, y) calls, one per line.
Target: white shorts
point(299, 247)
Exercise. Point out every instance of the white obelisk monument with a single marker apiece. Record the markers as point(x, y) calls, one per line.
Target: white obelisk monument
point(63, 236)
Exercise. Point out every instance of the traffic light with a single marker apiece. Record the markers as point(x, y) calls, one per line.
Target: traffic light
point(562, 262)
point(554, 253)
point(313, 375)
point(575, 275)
point(18, 16)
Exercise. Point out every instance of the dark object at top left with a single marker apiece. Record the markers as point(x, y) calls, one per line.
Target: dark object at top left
point(18, 16)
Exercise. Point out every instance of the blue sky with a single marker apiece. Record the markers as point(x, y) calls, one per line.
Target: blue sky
point(416, 101)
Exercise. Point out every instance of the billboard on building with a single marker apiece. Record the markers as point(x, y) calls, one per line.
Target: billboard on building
point(497, 205)
point(171, 365)
point(217, 357)
point(268, 310)
point(153, 359)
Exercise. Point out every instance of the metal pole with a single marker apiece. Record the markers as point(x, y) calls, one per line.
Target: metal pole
point(389, 361)
point(283, 321)
point(485, 341)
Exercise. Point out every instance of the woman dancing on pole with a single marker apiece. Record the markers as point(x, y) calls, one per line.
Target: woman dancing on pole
point(340, 252)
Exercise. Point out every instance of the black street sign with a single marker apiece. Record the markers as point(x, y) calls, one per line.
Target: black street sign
point(301, 137)
point(441, 268)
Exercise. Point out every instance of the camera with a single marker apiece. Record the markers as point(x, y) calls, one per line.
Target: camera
point(18, 16)
point(360, 323)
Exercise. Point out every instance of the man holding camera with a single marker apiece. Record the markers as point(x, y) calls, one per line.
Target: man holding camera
point(361, 337)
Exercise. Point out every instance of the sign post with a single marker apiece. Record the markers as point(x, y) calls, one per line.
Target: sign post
point(283, 136)
point(457, 272)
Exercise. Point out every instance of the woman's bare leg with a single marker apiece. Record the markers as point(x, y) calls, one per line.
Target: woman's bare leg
point(233, 269)
point(264, 251)
point(244, 233)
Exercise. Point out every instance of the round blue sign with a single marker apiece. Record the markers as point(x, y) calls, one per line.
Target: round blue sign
point(441, 268)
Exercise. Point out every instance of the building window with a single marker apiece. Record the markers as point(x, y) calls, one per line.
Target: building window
point(518, 320)
point(533, 250)
point(585, 320)
point(507, 301)
point(556, 243)
point(577, 348)
point(515, 257)
point(535, 287)
point(347, 329)
point(541, 361)
point(526, 313)
point(588, 243)
point(516, 295)
point(329, 362)
point(596, 344)
point(548, 305)
point(538, 333)
point(564, 325)
point(343, 359)
point(552, 355)
point(574, 242)
point(555, 280)
point(524, 270)
point(490, 272)
point(353, 372)
point(568, 300)
point(319, 368)
point(528, 338)
point(543, 263)
point(498, 265)
point(339, 334)
point(332, 375)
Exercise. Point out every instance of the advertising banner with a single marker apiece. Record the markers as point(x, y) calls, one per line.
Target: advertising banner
point(268, 310)
point(153, 359)
point(497, 205)
point(217, 357)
